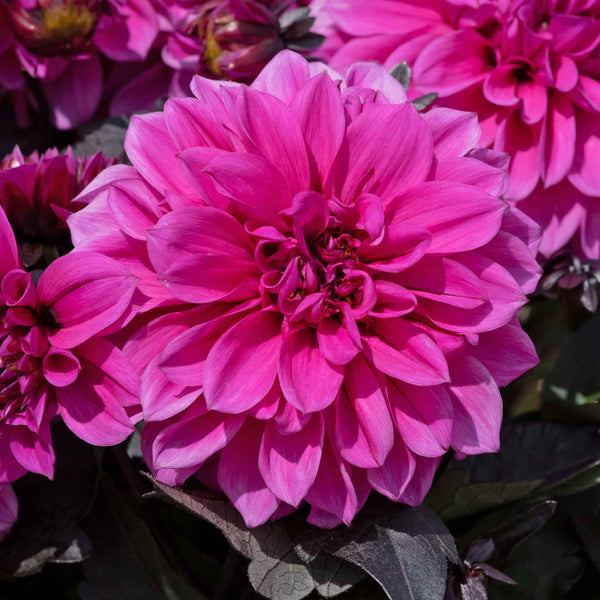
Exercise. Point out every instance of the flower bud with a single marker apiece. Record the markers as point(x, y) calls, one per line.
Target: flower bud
point(241, 36)
point(55, 27)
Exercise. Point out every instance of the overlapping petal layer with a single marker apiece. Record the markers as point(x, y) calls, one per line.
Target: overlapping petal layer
point(328, 284)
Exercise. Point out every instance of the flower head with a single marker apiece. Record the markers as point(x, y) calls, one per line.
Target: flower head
point(71, 48)
point(529, 68)
point(51, 360)
point(334, 282)
point(55, 27)
point(36, 193)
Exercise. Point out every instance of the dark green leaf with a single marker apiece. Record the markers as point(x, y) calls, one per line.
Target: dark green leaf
point(126, 561)
point(106, 136)
point(402, 72)
point(575, 378)
point(561, 459)
point(50, 511)
point(422, 102)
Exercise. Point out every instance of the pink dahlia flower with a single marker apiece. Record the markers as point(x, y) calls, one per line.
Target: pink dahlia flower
point(334, 282)
point(52, 363)
point(36, 193)
point(222, 39)
point(9, 510)
point(68, 47)
point(529, 68)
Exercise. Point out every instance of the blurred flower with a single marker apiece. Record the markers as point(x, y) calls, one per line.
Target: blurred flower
point(68, 47)
point(569, 220)
point(334, 283)
point(529, 68)
point(566, 273)
point(52, 363)
point(222, 39)
point(36, 193)
point(9, 509)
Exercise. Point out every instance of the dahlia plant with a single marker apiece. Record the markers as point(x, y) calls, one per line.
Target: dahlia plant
point(529, 68)
point(334, 282)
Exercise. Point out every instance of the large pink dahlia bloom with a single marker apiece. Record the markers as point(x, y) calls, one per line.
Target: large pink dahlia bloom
point(334, 283)
point(51, 361)
point(529, 68)
point(68, 48)
point(37, 192)
point(9, 509)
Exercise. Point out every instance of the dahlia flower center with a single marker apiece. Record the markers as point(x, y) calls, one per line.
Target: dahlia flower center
point(56, 26)
point(316, 272)
point(24, 345)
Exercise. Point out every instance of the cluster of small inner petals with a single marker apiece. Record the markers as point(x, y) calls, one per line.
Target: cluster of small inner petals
point(529, 68)
point(327, 287)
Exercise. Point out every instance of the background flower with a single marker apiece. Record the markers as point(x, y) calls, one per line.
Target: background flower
point(65, 49)
point(529, 69)
point(37, 192)
point(337, 281)
point(222, 39)
point(51, 360)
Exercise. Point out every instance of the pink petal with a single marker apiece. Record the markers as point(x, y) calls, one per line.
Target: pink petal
point(319, 110)
point(33, 451)
point(130, 37)
point(61, 367)
point(405, 352)
point(191, 440)
point(9, 257)
point(459, 217)
point(300, 361)
point(477, 407)
point(394, 475)
point(256, 186)
point(289, 463)
point(364, 429)
point(419, 485)
point(375, 157)
point(506, 353)
point(242, 365)
point(85, 293)
point(454, 132)
point(335, 342)
point(333, 490)
point(209, 278)
point(157, 163)
point(423, 417)
point(96, 418)
point(240, 478)
point(283, 76)
point(74, 96)
point(472, 172)
point(557, 141)
point(518, 139)
point(453, 62)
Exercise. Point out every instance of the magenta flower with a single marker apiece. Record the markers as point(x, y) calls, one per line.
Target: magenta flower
point(334, 282)
point(9, 509)
point(69, 47)
point(222, 39)
point(36, 193)
point(52, 363)
point(529, 68)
